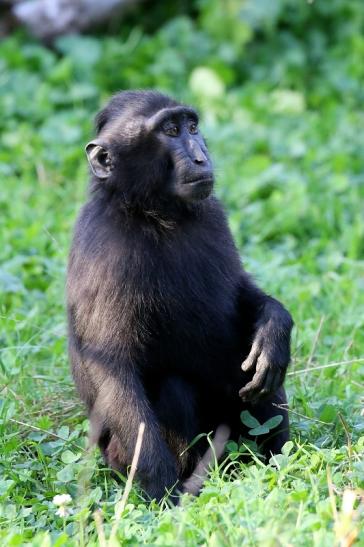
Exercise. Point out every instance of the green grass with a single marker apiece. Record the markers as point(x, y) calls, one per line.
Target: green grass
point(283, 116)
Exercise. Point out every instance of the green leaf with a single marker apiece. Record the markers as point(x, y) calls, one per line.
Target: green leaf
point(328, 413)
point(232, 446)
point(247, 446)
point(267, 426)
point(9, 283)
point(69, 457)
point(248, 419)
point(260, 430)
point(287, 448)
point(273, 422)
point(63, 432)
point(205, 81)
point(5, 486)
point(66, 474)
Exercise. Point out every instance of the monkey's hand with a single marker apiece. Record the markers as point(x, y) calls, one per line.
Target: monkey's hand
point(270, 352)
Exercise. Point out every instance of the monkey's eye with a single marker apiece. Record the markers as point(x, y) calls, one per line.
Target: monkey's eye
point(193, 128)
point(171, 130)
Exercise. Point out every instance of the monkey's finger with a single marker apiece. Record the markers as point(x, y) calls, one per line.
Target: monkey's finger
point(273, 380)
point(268, 386)
point(251, 388)
point(251, 360)
point(266, 380)
point(278, 375)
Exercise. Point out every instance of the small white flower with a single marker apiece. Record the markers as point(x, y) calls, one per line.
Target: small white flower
point(62, 499)
point(63, 511)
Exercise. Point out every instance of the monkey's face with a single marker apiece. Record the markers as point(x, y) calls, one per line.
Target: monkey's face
point(160, 155)
point(190, 175)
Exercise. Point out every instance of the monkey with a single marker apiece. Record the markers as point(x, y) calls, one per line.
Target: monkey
point(165, 326)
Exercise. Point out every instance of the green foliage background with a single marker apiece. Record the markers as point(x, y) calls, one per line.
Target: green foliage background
point(280, 86)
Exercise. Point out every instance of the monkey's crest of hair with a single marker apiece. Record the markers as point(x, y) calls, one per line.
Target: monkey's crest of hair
point(131, 104)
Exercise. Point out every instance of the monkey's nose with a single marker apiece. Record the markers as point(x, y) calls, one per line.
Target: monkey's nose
point(197, 154)
point(199, 160)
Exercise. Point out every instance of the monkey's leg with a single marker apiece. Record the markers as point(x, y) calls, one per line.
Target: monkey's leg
point(176, 410)
point(120, 406)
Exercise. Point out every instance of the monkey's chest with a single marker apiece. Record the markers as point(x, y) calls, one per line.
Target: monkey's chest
point(179, 304)
point(188, 327)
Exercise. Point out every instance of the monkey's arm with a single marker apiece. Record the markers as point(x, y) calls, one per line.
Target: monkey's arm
point(270, 351)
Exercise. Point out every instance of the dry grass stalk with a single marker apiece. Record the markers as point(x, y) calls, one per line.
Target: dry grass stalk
point(134, 464)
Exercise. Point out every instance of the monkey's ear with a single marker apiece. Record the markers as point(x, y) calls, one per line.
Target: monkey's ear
point(99, 159)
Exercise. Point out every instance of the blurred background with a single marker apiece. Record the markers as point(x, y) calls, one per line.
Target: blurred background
point(280, 88)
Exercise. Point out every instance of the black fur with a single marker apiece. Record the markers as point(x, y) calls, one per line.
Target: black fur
point(161, 313)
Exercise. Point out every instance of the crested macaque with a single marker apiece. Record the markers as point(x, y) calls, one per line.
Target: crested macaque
point(165, 326)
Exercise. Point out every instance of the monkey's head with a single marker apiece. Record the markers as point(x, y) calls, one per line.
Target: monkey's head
point(149, 148)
